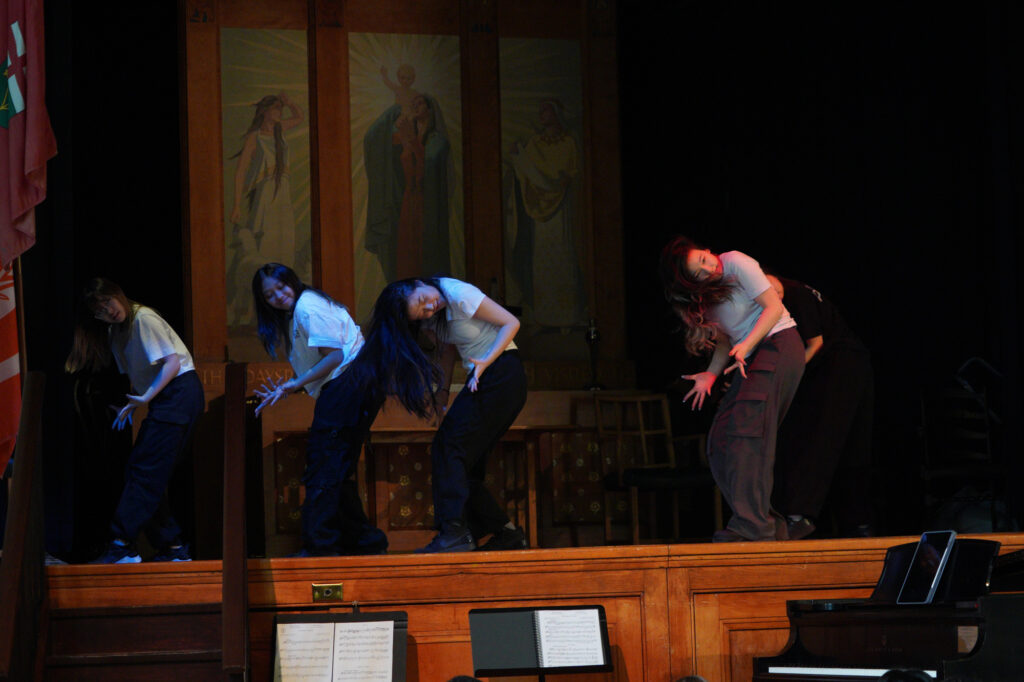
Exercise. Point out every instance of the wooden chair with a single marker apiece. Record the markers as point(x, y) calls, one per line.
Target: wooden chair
point(638, 429)
point(957, 453)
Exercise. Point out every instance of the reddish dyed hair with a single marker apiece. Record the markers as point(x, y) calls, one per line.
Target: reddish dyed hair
point(690, 299)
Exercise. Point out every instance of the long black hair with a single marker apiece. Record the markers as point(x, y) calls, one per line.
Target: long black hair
point(273, 325)
point(392, 360)
point(90, 347)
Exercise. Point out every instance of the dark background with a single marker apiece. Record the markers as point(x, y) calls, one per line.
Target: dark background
point(872, 150)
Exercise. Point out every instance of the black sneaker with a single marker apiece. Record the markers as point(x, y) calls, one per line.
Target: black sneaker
point(800, 528)
point(372, 541)
point(176, 553)
point(118, 553)
point(726, 535)
point(454, 537)
point(506, 538)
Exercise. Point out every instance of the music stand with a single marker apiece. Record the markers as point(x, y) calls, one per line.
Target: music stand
point(399, 637)
point(512, 641)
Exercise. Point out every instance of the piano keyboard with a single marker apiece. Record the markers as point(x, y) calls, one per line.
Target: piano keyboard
point(866, 673)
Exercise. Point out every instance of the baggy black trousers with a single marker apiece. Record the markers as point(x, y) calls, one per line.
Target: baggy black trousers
point(741, 443)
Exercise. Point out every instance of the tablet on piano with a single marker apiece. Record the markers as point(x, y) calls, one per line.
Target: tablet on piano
point(926, 567)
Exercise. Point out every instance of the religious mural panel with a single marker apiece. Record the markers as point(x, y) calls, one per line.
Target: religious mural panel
point(542, 181)
point(266, 171)
point(406, 133)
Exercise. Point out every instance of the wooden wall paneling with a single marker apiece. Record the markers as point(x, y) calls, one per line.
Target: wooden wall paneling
point(681, 623)
point(81, 586)
point(657, 641)
point(541, 19)
point(439, 591)
point(290, 14)
point(650, 593)
point(760, 639)
point(726, 605)
point(481, 115)
point(332, 233)
point(234, 587)
point(734, 627)
point(707, 640)
point(206, 331)
point(439, 17)
point(261, 644)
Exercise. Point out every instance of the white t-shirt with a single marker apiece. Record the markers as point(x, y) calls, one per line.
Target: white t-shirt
point(149, 340)
point(320, 323)
point(737, 315)
point(472, 337)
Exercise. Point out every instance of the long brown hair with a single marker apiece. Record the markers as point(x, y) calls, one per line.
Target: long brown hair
point(690, 299)
point(280, 147)
point(91, 344)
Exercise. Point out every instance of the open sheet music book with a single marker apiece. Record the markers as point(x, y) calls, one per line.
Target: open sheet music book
point(334, 652)
point(568, 637)
point(534, 640)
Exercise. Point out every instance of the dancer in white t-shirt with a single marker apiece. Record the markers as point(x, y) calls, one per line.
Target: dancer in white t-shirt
point(163, 377)
point(729, 309)
point(321, 340)
point(458, 319)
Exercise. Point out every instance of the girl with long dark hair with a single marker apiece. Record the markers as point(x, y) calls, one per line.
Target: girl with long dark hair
point(162, 374)
point(729, 309)
point(458, 319)
point(320, 340)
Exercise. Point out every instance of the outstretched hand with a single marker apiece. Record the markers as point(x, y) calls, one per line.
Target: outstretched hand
point(702, 383)
point(124, 414)
point(270, 393)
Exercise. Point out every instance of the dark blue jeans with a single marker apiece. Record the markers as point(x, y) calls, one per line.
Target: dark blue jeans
point(333, 519)
point(471, 429)
point(161, 442)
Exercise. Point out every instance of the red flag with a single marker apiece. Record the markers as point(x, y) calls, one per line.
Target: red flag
point(10, 378)
point(26, 139)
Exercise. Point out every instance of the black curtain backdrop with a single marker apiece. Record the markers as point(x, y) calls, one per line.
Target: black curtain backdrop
point(113, 206)
point(873, 150)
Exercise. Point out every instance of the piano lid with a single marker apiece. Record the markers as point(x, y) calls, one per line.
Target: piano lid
point(856, 639)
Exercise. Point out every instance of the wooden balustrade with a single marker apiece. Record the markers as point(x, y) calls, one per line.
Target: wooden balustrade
point(673, 610)
point(22, 585)
point(235, 589)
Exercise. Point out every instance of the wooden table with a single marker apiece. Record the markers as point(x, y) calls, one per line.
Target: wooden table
point(545, 412)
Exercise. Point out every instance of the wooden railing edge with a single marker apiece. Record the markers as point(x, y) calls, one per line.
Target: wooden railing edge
point(235, 587)
point(22, 581)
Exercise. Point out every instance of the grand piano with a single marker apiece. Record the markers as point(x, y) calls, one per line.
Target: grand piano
point(972, 631)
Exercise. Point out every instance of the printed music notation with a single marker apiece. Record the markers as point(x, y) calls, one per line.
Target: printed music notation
point(334, 652)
